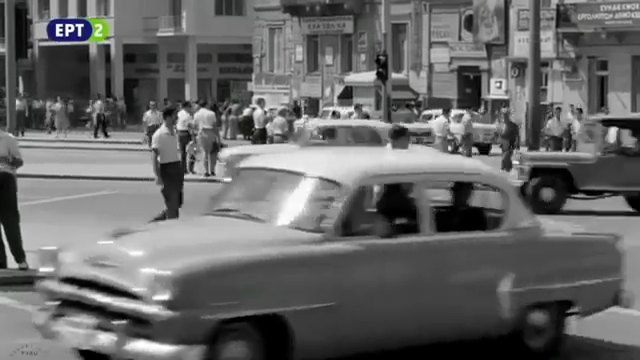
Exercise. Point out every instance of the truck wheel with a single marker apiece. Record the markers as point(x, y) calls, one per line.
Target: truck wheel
point(540, 333)
point(633, 201)
point(238, 341)
point(547, 194)
point(484, 149)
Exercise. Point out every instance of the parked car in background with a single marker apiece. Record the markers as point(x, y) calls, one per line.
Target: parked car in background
point(485, 134)
point(348, 133)
point(606, 163)
point(323, 253)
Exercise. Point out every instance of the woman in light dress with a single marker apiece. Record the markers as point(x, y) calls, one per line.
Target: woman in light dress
point(61, 117)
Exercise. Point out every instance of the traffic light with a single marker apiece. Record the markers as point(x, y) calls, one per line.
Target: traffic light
point(382, 67)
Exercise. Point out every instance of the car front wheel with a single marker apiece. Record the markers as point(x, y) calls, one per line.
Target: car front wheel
point(238, 341)
point(540, 333)
point(633, 201)
point(547, 194)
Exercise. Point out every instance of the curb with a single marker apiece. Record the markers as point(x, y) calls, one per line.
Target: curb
point(10, 278)
point(110, 178)
point(81, 141)
point(83, 148)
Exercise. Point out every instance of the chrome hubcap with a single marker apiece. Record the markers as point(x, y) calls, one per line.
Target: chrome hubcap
point(235, 350)
point(538, 329)
point(547, 194)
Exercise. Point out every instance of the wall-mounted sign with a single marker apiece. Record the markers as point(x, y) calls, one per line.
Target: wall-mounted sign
point(609, 14)
point(498, 87)
point(236, 70)
point(327, 25)
point(520, 45)
point(467, 50)
point(489, 19)
point(328, 56)
point(516, 71)
point(445, 27)
point(363, 41)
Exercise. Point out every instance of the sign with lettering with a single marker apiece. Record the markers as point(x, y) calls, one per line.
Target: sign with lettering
point(445, 27)
point(598, 15)
point(327, 25)
point(520, 46)
point(242, 70)
point(467, 50)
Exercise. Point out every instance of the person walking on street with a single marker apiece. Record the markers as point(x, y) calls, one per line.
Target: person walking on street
point(167, 166)
point(509, 139)
point(122, 112)
point(467, 134)
point(22, 112)
point(99, 117)
point(61, 117)
point(576, 127)
point(234, 119)
point(280, 127)
point(151, 120)
point(555, 130)
point(10, 162)
point(208, 137)
point(441, 130)
point(260, 123)
point(184, 127)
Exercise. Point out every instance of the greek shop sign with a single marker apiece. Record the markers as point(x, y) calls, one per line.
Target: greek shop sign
point(602, 15)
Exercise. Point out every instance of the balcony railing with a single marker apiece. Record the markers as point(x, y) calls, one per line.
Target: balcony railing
point(170, 25)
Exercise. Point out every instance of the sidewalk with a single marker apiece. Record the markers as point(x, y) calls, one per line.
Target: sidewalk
point(106, 172)
point(84, 136)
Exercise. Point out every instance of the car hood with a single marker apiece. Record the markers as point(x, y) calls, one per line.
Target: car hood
point(179, 246)
point(258, 149)
point(556, 157)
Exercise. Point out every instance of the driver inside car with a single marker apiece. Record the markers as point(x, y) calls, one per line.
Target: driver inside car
point(399, 208)
point(461, 216)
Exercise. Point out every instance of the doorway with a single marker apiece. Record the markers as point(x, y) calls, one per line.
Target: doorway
point(469, 87)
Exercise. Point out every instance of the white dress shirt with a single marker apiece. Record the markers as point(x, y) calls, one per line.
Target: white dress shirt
point(9, 150)
point(205, 119)
point(166, 144)
point(440, 126)
point(554, 127)
point(152, 117)
point(185, 120)
point(259, 119)
point(279, 126)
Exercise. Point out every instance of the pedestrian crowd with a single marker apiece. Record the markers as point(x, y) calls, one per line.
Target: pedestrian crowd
point(561, 129)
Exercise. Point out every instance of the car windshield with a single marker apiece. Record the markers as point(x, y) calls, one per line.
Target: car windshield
point(280, 198)
point(341, 135)
point(620, 138)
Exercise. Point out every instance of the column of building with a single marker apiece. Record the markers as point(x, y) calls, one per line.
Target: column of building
point(191, 68)
point(97, 60)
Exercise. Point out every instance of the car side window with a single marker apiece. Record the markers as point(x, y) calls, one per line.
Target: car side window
point(465, 206)
point(383, 210)
point(361, 136)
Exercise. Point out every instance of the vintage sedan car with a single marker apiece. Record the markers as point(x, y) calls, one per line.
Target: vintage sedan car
point(485, 135)
point(306, 257)
point(606, 163)
point(348, 133)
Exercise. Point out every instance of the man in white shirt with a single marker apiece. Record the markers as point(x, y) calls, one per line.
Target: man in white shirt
point(467, 135)
point(167, 166)
point(555, 130)
point(22, 112)
point(441, 130)
point(576, 128)
point(10, 162)
point(260, 123)
point(399, 138)
point(184, 126)
point(99, 116)
point(151, 120)
point(208, 137)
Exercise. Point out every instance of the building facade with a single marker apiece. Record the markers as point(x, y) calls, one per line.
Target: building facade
point(306, 49)
point(22, 43)
point(176, 49)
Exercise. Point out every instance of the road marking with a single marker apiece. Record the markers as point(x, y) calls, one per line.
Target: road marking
point(15, 304)
point(71, 197)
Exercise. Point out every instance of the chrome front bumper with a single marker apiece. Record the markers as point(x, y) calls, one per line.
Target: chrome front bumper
point(117, 345)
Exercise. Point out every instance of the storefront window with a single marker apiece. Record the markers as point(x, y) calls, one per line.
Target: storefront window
point(399, 47)
point(544, 82)
point(346, 53)
point(276, 50)
point(313, 54)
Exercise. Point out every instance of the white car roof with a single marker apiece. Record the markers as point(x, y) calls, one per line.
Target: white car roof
point(348, 122)
point(356, 163)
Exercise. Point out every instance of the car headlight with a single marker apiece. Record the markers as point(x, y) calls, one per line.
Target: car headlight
point(158, 284)
point(48, 261)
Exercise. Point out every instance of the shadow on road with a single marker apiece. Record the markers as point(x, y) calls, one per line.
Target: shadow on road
point(602, 213)
point(576, 348)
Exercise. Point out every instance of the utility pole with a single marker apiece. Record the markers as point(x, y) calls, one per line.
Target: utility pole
point(534, 77)
point(11, 75)
point(388, 49)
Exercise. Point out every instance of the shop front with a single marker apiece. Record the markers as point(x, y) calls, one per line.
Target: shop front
point(603, 40)
point(275, 89)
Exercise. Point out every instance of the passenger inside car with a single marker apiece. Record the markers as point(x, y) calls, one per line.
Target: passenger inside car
point(461, 216)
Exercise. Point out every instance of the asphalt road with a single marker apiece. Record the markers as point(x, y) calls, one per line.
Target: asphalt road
point(68, 212)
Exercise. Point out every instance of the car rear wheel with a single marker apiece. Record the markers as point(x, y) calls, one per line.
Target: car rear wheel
point(484, 149)
point(547, 194)
point(540, 333)
point(633, 201)
point(238, 341)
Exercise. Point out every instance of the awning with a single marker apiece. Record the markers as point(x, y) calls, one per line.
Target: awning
point(368, 78)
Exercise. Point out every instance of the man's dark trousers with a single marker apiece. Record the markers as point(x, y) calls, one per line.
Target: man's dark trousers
point(184, 138)
point(172, 178)
point(100, 126)
point(10, 219)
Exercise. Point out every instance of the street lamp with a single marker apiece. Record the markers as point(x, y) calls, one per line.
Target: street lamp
point(10, 64)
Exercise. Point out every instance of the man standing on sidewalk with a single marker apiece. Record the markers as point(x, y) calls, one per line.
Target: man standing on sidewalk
point(260, 123)
point(184, 126)
point(99, 117)
point(10, 161)
point(22, 112)
point(152, 119)
point(167, 166)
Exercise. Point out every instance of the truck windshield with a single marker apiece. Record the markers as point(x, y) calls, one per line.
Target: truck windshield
point(280, 198)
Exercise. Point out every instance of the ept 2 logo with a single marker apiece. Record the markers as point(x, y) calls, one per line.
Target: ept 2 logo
point(78, 30)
